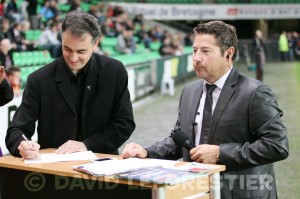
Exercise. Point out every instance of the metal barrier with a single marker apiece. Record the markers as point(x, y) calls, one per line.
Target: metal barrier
point(146, 71)
point(141, 80)
point(146, 77)
point(245, 46)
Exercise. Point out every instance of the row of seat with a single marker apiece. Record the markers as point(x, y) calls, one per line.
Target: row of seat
point(275, 1)
point(85, 6)
point(131, 59)
point(160, 1)
point(25, 71)
point(33, 35)
point(108, 44)
point(66, 7)
point(31, 61)
point(31, 58)
point(257, 1)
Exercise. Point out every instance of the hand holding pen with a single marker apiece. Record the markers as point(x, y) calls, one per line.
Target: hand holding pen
point(28, 149)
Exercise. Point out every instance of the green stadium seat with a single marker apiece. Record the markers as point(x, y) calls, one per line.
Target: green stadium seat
point(37, 34)
point(109, 41)
point(20, 59)
point(64, 7)
point(24, 74)
point(94, 2)
point(17, 59)
point(33, 35)
point(155, 45)
point(25, 71)
point(29, 58)
point(85, 7)
point(188, 49)
point(45, 55)
point(29, 35)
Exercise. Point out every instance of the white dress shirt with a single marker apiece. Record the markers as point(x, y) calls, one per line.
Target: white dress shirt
point(215, 96)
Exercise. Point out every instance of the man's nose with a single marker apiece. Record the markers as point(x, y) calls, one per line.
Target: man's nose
point(73, 57)
point(197, 57)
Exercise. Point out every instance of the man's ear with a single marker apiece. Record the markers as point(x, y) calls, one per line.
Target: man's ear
point(228, 56)
point(230, 52)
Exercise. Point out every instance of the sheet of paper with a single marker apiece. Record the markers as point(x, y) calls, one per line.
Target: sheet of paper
point(194, 166)
point(52, 157)
point(165, 163)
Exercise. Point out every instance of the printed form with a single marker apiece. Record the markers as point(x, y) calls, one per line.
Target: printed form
point(53, 157)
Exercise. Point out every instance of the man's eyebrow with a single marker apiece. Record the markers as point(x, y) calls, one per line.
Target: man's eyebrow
point(65, 46)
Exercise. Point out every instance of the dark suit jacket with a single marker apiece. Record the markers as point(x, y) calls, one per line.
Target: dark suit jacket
point(107, 118)
point(3, 59)
point(6, 92)
point(246, 124)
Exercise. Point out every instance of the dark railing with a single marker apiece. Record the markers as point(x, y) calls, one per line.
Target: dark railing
point(245, 48)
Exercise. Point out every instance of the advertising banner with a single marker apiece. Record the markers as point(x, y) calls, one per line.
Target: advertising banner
point(213, 11)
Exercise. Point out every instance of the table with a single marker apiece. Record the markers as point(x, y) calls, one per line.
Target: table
point(59, 180)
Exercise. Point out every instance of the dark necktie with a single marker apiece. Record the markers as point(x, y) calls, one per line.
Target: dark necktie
point(207, 113)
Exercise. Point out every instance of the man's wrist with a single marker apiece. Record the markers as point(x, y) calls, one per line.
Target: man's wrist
point(147, 153)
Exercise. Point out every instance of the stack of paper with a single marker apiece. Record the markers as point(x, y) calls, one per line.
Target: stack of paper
point(52, 157)
point(167, 174)
point(159, 175)
point(110, 167)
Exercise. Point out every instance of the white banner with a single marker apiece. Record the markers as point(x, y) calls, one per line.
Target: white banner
point(6, 114)
point(213, 11)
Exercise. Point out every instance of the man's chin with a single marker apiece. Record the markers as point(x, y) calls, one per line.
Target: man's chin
point(200, 75)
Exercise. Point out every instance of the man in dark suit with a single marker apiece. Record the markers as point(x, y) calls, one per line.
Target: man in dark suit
point(81, 100)
point(259, 54)
point(6, 54)
point(246, 132)
point(6, 91)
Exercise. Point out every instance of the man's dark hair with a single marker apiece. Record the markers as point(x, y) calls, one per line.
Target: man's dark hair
point(11, 70)
point(53, 24)
point(225, 35)
point(80, 23)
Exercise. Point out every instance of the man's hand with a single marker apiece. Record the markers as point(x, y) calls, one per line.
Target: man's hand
point(2, 73)
point(205, 153)
point(27, 151)
point(134, 150)
point(71, 146)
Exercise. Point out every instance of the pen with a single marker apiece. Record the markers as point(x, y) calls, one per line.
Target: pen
point(27, 140)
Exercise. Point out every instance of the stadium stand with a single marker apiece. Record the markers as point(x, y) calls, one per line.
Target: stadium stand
point(144, 60)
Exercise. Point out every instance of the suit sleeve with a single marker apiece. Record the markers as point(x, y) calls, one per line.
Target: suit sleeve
point(121, 124)
point(270, 143)
point(24, 118)
point(6, 92)
point(167, 149)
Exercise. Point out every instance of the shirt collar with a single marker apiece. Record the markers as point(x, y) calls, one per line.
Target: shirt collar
point(84, 69)
point(221, 81)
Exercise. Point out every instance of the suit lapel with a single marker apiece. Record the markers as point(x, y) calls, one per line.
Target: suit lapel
point(194, 106)
point(224, 98)
point(90, 85)
point(64, 85)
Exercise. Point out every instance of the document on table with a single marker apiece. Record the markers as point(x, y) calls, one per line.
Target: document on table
point(109, 167)
point(52, 157)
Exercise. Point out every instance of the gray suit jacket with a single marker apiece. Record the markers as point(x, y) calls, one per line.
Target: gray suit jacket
point(246, 124)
